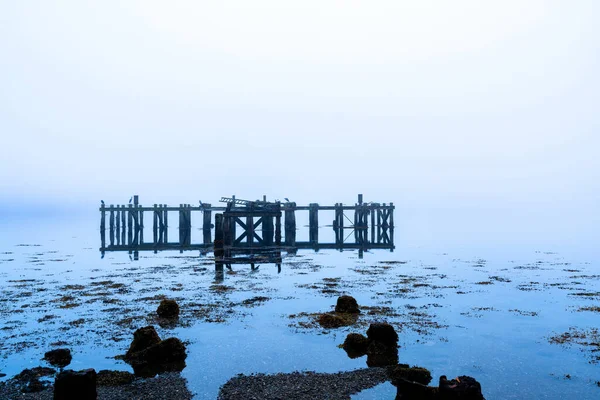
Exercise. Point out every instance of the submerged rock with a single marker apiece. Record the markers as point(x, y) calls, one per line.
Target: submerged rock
point(380, 354)
point(59, 357)
point(410, 390)
point(75, 385)
point(168, 309)
point(356, 345)
point(346, 304)
point(462, 387)
point(334, 320)
point(382, 332)
point(142, 339)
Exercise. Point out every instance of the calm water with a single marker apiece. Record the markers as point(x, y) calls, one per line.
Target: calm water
point(55, 287)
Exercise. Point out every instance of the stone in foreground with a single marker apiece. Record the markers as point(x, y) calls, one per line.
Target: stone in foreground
point(72, 385)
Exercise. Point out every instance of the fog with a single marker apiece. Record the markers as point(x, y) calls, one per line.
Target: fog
point(470, 116)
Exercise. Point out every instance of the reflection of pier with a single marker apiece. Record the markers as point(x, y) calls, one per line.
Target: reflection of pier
point(246, 227)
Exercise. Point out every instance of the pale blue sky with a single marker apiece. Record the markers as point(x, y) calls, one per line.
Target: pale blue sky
point(430, 104)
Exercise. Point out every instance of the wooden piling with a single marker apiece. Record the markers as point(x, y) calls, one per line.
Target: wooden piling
point(130, 224)
point(313, 222)
point(112, 225)
point(165, 224)
point(290, 224)
point(103, 225)
point(206, 226)
point(123, 224)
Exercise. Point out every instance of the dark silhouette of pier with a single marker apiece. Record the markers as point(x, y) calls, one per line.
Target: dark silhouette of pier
point(242, 227)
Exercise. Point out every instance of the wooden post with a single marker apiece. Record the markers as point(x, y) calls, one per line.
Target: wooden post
point(392, 215)
point(130, 225)
point(102, 225)
point(155, 225)
point(290, 224)
point(218, 245)
point(112, 225)
point(313, 223)
point(123, 225)
point(267, 230)
point(250, 230)
point(118, 225)
point(165, 224)
point(136, 200)
point(278, 225)
point(136, 224)
point(372, 223)
point(206, 218)
point(141, 225)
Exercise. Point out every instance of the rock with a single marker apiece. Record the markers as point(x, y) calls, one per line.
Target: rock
point(114, 378)
point(333, 320)
point(410, 390)
point(346, 304)
point(72, 385)
point(28, 380)
point(356, 345)
point(412, 374)
point(380, 354)
point(59, 357)
point(142, 339)
point(463, 388)
point(148, 355)
point(382, 332)
point(2, 375)
point(168, 309)
point(166, 351)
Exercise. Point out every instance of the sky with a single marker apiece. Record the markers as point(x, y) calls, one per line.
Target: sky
point(435, 105)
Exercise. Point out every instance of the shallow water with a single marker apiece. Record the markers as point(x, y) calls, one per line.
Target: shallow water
point(483, 309)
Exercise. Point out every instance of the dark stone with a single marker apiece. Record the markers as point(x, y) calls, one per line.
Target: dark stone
point(75, 385)
point(382, 332)
point(356, 345)
point(410, 390)
point(412, 374)
point(166, 351)
point(346, 304)
point(148, 355)
point(114, 378)
point(463, 388)
point(168, 309)
point(381, 354)
point(142, 339)
point(58, 357)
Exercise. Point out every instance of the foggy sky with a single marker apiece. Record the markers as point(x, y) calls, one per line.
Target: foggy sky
point(430, 104)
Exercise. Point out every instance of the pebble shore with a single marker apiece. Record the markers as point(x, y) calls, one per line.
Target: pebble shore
point(168, 386)
point(302, 385)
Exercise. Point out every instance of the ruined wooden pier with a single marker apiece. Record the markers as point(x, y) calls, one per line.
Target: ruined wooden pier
point(242, 226)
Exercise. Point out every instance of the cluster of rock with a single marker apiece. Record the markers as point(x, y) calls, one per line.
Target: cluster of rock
point(381, 347)
point(346, 313)
point(147, 354)
point(412, 383)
